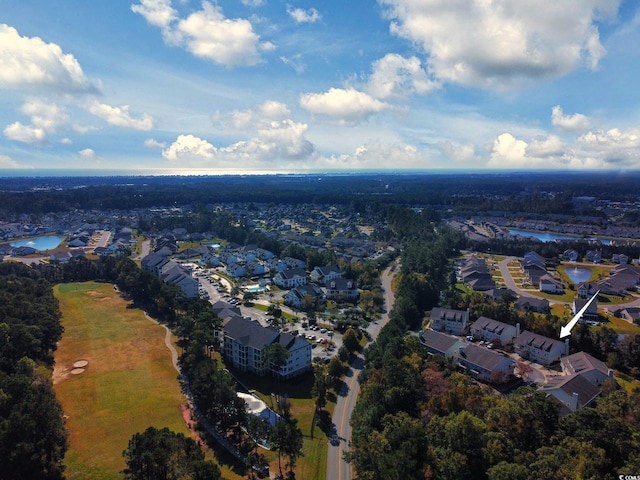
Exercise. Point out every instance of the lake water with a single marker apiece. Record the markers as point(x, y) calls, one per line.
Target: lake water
point(578, 275)
point(47, 242)
point(551, 237)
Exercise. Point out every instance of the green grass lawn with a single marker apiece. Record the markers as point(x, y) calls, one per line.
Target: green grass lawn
point(128, 385)
point(313, 462)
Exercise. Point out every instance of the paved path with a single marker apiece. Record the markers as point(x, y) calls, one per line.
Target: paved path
point(187, 392)
point(337, 467)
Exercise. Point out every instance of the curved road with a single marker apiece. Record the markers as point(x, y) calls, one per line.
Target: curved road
point(337, 467)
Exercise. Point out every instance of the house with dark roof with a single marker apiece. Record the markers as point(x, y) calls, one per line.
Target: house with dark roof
point(498, 293)
point(629, 313)
point(587, 289)
point(341, 290)
point(295, 297)
point(591, 313)
point(594, 370)
point(245, 342)
point(538, 348)
point(491, 330)
point(449, 320)
point(323, 275)
point(291, 278)
point(486, 365)
point(572, 391)
point(549, 284)
point(438, 343)
point(532, 304)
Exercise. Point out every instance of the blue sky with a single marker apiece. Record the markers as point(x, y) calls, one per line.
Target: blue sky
point(298, 86)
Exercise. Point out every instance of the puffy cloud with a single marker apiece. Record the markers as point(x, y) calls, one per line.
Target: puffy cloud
point(47, 116)
point(189, 149)
point(508, 152)
point(253, 3)
point(379, 155)
point(459, 153)
point(499, 43)
point(206, 33)
point(303, 16)
point(29, 62)
point(394, 76)
point(345, 105)
point(8, 162)
point(611, 149)
point(152, 143)
point(569, 123)
point(119, 116)
point(158, 13)
point(24, 133)
point(66, 141)
point(88, 154)
point(272, 138)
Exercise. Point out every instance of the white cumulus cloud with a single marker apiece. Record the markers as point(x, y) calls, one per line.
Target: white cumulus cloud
point(569, 123)
point(24, 133)
point(300, 15)
point(499, 43)
point(8, 162)
point(152, 143)
point(87, 153)
point(189, 149)
point(31, 63)
point(206, 33)
point(120, 116)
point(347, 106)
point(395, 76)
point(380, 155)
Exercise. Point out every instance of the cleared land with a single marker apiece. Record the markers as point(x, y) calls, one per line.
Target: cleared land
point(128, 384)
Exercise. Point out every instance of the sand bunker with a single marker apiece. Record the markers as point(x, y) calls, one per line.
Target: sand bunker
point(80, 364)
point(77, 371)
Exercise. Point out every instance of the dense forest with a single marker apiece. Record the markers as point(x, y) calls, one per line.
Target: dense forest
point(33, 437)
point(418, 418)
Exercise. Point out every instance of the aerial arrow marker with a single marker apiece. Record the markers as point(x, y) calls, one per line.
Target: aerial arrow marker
point(566, 330)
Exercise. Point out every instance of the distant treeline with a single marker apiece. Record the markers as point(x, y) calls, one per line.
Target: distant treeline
point(535, 193)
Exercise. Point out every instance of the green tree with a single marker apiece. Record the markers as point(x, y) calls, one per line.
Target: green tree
point(350, 340)
point(287, 438)
point(166, 455)
point(276, 356)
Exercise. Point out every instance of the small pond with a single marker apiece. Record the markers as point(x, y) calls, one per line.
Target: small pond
point(46, 242)
point(578, 275)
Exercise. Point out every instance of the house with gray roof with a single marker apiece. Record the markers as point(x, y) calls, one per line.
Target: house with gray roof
point(539, 349)
point(291, 278)
point(296, 295)
point(322, 275)
point(491, 330)
point(594, 370)
point(245, 342)
point(486, 365)
point(438, 343)
point(449, 320)
point(532, 304)
point(571, 391)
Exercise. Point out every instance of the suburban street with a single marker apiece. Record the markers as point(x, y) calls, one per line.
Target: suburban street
point(337, 467)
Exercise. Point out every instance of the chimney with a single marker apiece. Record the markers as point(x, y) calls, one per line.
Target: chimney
point(517, 329)
point(573, 405)
point(566, 347)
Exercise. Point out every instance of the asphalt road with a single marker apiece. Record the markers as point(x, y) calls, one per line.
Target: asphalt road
point(337, 467)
